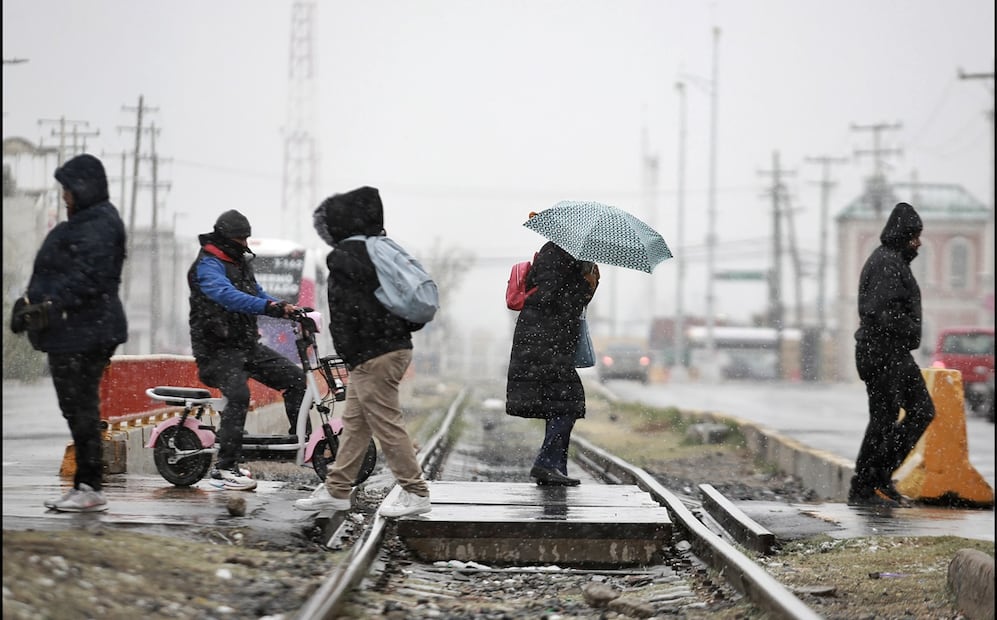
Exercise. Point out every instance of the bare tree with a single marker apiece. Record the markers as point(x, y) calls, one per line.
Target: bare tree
point(447, 264)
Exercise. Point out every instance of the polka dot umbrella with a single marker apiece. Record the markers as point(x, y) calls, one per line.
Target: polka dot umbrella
point(602, 234)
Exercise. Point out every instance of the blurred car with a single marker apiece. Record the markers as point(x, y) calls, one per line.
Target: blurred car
point(624, 361)
point(970, 350)
point(990, 408)
point(750, 364)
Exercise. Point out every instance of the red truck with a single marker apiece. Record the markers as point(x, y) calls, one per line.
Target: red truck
point(970, 350)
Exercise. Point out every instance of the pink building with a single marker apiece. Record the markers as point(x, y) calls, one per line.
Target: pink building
point(954, 266)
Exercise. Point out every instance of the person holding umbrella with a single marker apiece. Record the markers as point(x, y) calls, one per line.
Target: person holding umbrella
point(542, 380)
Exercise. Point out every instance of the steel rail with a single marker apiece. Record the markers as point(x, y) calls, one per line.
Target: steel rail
point(331, 595)
point(750, 579)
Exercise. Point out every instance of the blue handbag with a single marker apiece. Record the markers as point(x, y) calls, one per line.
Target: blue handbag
point(585, 353)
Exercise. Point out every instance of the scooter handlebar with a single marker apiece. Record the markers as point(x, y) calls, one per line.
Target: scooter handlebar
point(308, 317)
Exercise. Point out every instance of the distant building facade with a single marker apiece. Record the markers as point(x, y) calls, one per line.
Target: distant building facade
point(952, 266)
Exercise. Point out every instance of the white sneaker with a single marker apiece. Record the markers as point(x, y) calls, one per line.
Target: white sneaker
point(52, 501)
point(83, 499)
point(321, 500)
point(238, 480)
point(406, 504)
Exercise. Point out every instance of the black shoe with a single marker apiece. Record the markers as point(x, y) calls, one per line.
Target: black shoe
point(549, 476)
point(890, 490)
point(871, 497)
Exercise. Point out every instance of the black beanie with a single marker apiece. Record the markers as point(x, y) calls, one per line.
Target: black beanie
point(233, 225)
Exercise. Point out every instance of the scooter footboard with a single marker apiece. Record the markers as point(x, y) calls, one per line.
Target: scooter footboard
point(207, 436)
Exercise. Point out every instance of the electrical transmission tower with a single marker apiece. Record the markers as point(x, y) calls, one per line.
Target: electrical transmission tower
point(301, 157)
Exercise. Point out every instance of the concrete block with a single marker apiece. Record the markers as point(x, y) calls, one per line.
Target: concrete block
point(971, 581)
point(707, 433)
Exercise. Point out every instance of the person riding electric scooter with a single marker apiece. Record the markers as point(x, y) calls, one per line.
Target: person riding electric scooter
point(183, 445)
point(225, 299)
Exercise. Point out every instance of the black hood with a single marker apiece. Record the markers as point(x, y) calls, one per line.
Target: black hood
point(357, 212)
point(903, 225)
point(85, 179)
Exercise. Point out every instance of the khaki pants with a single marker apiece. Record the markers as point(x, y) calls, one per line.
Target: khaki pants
point(373, 409)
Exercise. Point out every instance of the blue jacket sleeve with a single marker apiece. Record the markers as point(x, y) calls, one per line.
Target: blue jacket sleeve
point(219, 289)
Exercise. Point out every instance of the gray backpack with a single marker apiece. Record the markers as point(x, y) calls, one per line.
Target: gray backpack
point(406, 290)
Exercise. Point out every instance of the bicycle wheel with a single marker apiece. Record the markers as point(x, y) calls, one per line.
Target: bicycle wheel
point(325, 454)
point(185, 471)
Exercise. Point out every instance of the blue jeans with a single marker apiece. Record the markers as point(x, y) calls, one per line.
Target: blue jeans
point(554, 451)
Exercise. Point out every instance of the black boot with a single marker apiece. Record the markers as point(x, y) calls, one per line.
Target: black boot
point(552, 477)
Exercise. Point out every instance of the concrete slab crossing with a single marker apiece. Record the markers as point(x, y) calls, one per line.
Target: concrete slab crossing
point(522, 523)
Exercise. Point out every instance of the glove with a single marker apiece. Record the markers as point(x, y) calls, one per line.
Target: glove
point(275, 309)
point(591, 275)
point(29, 317)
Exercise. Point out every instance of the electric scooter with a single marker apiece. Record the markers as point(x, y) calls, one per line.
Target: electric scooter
point(184, 444)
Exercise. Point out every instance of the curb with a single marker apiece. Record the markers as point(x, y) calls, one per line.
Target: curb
point(828, 475)
point(971, 581)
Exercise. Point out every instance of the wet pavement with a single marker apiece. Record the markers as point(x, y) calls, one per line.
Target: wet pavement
point(34, 441)
point(150, 504)
point(841, 521)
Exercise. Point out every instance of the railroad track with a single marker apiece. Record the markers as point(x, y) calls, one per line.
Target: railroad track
point(475, 441)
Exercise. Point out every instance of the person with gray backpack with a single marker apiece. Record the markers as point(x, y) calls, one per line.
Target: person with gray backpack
point(375, 341)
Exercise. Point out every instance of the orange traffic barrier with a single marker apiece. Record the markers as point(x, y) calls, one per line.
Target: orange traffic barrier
point(68, 467)
point(938, 469)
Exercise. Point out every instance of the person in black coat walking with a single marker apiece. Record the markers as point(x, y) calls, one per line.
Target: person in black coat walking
point(542, 381)
point(78, 316)
point(377, 348)
point(889, 308)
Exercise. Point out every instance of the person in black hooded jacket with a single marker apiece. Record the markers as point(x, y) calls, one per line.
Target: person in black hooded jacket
point(889, 308)
point(75, 279)
point(377, 348)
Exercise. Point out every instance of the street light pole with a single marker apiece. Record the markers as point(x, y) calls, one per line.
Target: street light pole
point(711, 235)
point(678, 364)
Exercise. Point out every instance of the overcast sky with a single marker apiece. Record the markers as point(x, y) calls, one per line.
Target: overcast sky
point(468, 114)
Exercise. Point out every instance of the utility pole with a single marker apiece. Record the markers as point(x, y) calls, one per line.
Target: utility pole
point(65, 128)
point(678, 367)
point(136, 156)
point(650, 170)
point(989, 250)
point(826, 184)
point(876, 184)
point(155, 280)
point(775, 274)
point(123, 177)
point(794, 256)
point(711, 215)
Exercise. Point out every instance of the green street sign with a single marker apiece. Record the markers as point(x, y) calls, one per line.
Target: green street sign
point(740, 275)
